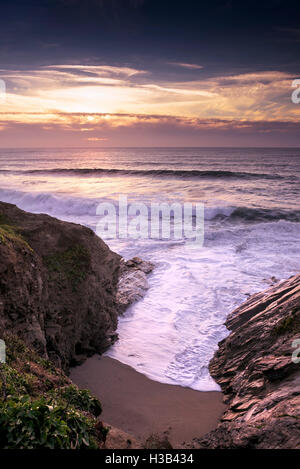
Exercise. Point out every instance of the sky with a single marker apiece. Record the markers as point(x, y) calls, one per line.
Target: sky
point(149, 73)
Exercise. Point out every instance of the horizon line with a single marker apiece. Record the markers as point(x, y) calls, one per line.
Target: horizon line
point(145, 146)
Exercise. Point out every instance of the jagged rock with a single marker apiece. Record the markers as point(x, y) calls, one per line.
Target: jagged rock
point(158, 441)
point(58, 284)
point(254, 368)
point(136, 263)
point(133, 282)
point(118, 439)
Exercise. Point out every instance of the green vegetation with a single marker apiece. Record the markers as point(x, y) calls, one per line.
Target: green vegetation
point(29, 424)
point(79, 398)
point(41, 408)
point(4, 220)
point(71, 264)
point(289, 324)
point(11, 234)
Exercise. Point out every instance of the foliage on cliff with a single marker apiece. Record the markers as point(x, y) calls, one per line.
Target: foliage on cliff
point(41, 408)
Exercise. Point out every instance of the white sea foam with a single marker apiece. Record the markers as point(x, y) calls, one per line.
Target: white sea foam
point(172, 333)
point(72, 205)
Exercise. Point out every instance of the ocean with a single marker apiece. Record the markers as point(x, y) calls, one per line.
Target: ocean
point(251, 237)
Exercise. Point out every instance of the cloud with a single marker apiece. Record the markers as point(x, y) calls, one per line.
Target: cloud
point(181, 91)
point(97, 70)
point(95, 98)
point(141, 130)
point(185, 65)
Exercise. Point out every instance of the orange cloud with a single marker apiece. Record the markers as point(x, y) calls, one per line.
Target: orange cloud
point(82, 98)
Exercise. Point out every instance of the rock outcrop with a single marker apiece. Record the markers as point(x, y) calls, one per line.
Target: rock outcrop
point(133, 282)
point(118, 439)
point(58, 283)
point(258, 377)
point(61, 287)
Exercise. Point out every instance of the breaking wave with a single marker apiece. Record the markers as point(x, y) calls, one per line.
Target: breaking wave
point(80, 206)
point(167, 173)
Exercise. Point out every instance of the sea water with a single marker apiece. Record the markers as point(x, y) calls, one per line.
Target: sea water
point(252, 220)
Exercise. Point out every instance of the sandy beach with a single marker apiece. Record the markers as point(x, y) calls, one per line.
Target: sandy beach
point(140, 406)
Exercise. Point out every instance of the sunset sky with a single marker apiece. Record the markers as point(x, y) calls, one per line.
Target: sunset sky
point(149, 73)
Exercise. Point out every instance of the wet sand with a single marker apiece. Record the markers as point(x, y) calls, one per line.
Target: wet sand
point(140, 406)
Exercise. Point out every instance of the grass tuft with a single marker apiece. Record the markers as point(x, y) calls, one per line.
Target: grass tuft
point(71, 265)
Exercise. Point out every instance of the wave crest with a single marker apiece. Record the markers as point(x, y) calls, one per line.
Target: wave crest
point(160, 173)
point(79, 206)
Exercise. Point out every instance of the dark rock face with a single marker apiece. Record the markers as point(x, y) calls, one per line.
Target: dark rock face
point(58, 285)
point(254, 368)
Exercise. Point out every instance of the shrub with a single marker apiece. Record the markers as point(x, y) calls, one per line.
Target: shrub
point(38, 406)
point(81, 399)
point(27, 424)
point(16, 383)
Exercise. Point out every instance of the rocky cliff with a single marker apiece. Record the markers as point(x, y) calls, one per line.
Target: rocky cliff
point(61, 291)
point(58, 284)
point(258, 377)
